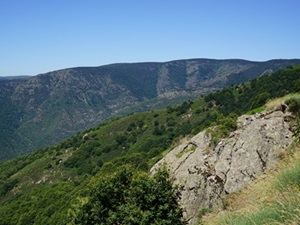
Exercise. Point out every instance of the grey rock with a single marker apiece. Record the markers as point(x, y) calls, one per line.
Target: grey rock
point(206, 175)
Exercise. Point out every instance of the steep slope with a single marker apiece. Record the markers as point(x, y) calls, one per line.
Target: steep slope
point(69, 172)
point(206, 174)
point(45, 109)
point(274, 198)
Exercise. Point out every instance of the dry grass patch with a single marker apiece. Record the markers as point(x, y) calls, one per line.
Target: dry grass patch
point(276, 103)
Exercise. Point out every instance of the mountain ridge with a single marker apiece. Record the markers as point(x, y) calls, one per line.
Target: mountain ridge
point(66, 174)
point(56, 105)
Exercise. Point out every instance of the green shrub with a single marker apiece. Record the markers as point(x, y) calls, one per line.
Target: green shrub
point(7, 186)
point(131, 197)
point(223, 127)
point(294, 105)
point(261, 99)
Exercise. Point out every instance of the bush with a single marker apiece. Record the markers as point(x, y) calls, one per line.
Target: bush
point(261, 99)
point(7, 186)
point(131, 197)
point(223, 127)
point(294, 105)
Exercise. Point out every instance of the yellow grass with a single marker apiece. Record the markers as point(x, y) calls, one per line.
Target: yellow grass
point(276, 103)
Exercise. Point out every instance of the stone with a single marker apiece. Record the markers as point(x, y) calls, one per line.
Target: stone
point(206, 175)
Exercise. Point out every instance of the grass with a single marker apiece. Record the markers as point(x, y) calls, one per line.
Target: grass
point(289, 178)
point(273, 104)
point(273, 198)
point(256, 110)
point(191, 148)
point(276, 103)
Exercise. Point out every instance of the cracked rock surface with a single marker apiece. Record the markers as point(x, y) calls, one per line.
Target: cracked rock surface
point(205, 174)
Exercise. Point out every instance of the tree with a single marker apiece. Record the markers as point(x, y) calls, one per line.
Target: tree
point(261, 99)
point(131, 197)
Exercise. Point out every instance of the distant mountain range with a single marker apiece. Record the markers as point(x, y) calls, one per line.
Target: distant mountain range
point(3, 78)
point(42, 110)
point(209, 151)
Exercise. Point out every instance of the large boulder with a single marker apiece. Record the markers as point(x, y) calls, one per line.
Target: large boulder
point(206, 174)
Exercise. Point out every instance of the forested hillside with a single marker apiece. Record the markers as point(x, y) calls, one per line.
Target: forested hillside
point(43, 110)
point(61, 183)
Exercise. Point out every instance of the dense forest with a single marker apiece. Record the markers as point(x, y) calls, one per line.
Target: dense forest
point(73, 182)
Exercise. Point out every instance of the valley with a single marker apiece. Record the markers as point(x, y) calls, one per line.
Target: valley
point(73, 174)
point(43, 110)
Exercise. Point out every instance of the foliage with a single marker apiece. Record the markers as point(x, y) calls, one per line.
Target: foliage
point(131, 197)
point(222, 127)
point(261, 99)
point(6, 186)
point(255, 93)
point(43, 205)
point(139, 140)
point(294, 105)
point(61, 103)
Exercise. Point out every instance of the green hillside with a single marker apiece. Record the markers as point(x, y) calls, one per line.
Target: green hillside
point(46, 109)
point(55, 185)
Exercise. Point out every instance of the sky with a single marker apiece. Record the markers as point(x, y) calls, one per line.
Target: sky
point(38, 36)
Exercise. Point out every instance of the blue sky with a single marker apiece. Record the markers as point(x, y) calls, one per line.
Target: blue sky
point(38, 36)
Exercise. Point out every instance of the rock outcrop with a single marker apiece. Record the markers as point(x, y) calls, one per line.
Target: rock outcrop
point(206, 174)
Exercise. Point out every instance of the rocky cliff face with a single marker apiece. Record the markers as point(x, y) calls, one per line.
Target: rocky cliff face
point(205, 174)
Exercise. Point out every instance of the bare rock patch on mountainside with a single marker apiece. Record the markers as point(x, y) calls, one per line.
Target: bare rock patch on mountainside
point(207, 174)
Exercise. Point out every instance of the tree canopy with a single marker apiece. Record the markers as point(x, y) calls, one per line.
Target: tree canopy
point(130, 197)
